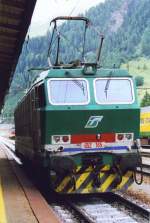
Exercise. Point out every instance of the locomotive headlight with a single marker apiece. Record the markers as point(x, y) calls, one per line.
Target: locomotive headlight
point(65, 138)
point(120, 136)
point(61, 139)
point(128, 136)
point(56, 139)
point(124, 136)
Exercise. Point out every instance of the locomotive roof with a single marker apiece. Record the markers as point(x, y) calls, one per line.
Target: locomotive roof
point(79, 72)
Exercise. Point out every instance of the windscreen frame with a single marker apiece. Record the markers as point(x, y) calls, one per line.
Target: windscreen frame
point(66, 103)
point(110, 79)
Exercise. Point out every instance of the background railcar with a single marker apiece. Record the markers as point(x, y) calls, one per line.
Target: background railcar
point(145, 125)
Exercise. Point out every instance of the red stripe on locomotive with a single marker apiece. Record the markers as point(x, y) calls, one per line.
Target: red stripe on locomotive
point(104, 137)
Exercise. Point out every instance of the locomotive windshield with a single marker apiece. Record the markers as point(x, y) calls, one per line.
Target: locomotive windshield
point(120, 91)
point(68, 91)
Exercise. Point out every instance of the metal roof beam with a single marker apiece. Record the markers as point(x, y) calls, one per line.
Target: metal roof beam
point(14, 3)
point(7, 39)
point(15, 18)
point(9, 26)
point(6, 52)
point(8, 33)
point(9, 15)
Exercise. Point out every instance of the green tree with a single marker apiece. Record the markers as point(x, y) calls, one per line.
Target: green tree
point(146, 100)
point(146, 42)
point(144, 67)
point(139, 80)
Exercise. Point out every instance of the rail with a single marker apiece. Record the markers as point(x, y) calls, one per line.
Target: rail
point(130, 204)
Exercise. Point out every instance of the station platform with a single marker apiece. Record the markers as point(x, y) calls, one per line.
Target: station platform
point(20, 201)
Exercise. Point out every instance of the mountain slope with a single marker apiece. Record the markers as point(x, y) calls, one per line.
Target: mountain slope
point(125, 24)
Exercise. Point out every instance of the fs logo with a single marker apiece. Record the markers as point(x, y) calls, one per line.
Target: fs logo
point(93, 121)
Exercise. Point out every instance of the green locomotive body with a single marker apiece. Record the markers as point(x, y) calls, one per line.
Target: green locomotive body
point(83, 141)
point(80, 125)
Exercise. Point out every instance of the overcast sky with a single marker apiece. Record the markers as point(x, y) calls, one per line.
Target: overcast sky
point(45, 10)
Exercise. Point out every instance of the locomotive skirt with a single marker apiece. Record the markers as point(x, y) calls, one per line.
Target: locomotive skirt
point(90, 180)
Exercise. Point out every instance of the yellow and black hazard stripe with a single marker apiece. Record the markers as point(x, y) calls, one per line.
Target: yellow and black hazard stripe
point(83, 181)
point(126, 182)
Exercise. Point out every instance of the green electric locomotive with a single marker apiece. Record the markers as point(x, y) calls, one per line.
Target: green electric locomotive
point(79, 123)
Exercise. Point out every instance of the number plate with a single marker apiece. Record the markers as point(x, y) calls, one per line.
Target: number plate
point(89, 145)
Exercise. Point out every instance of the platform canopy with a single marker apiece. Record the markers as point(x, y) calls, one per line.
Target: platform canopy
point(15, 18)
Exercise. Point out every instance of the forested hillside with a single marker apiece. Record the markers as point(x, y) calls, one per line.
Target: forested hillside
point(125, 25)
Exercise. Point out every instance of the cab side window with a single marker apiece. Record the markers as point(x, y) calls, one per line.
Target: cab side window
point(40, 96)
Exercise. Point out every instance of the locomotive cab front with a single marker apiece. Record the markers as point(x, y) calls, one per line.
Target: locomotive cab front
point(90, 130)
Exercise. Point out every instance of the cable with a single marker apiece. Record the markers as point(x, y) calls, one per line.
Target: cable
point(74, 8)
point(141, 170)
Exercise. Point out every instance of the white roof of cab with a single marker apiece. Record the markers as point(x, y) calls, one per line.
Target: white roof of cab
point(41, 76)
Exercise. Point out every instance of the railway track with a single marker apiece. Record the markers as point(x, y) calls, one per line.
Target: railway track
point(10, 148)
point(132, 205)
point(145, 149)
point(107, 208)
point(145, 169)
point(146, 146)
point(69, 212)
point(145, 153)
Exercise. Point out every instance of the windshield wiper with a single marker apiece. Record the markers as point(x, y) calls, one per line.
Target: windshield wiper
point(77, 82)
point(108, 82)
point(81, 85)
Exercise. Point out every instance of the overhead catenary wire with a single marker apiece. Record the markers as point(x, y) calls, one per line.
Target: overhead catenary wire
point(25, 73)
point(74, 8)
